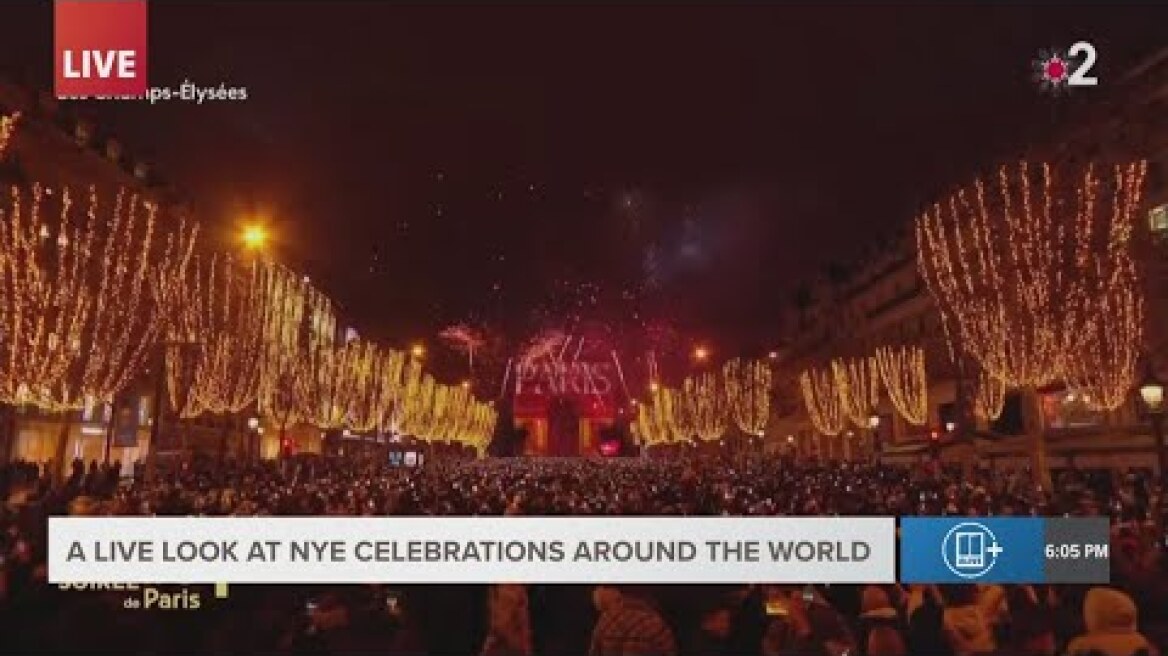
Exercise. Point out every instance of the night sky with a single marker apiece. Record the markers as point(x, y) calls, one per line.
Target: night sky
point(502, 166)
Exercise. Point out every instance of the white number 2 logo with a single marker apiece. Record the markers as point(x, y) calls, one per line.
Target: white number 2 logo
point(1080, 77)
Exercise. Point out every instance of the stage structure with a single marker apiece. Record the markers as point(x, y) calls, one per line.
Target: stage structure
point(566, 390)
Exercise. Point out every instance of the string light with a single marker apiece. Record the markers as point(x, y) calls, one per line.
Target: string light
point(822, 398)
point(1105, 364)
point(299, 324)
point(669, 415)
point(214, 331)
point(990, 398)
point(79, 314)
point(902, 369)
point(7, 129)
point(1019, 265)
point(704, 401)
point(859, 387)
point(408, 387)
point(647, 428)
point(748, 393)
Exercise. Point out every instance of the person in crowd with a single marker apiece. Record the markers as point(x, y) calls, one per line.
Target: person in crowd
point(1111, 619)
point(881, 629)
point(1029, 620)
point(629, 625)
point(510, 625)
point(926, 627)
point(966, 628)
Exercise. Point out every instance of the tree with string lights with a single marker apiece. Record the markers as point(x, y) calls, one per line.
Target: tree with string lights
point(219, 310)
point(858, 381)
point(298, 322)
point(80, 315)
point(902, 370)
point(8, 124)
point(705, 405)
point(824, 403)
point(748, 394)
point(1034, 270)
point(989, 397)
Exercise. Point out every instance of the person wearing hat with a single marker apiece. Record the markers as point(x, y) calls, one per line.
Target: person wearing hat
point(1111, 618)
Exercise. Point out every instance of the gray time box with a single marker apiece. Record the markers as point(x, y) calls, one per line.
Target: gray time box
point(1078, 550)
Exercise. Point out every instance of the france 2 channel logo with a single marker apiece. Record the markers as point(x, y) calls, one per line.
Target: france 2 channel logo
point(1057, 71)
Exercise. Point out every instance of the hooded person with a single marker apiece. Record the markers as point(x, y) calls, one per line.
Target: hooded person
point(1110, 617)
point(965, 624)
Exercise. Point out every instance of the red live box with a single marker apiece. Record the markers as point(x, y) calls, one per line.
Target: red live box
point(99, 48)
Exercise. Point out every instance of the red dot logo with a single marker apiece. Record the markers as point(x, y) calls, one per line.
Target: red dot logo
point(1054, 70)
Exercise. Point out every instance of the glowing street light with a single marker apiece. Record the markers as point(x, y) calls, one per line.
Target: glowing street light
point(255, 237)
point(418, 350)
point(701, 353)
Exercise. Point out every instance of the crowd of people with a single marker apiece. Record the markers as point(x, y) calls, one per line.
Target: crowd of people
point(1123, 619)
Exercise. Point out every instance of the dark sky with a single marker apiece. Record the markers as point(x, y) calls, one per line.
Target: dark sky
point(434, 165)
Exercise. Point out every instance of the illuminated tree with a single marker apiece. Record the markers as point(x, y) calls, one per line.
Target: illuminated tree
point(669, 416)
point(298, 323)
point(1031, 269)
point(858, 381)
point(219, 312)
point(748, 393)
point(1017, 264)
point(480, 429)
point(705, 406)
point(418, 407)
point(7, 128)
point(990, 396)
point(823, 401)
point(79, 316)
point(335, 374)
point(902, 369)
point(1105, 364)
point(377, 391)
point(648, 430)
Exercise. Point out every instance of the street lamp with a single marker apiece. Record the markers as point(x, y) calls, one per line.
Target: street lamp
point(1152, 394)
point(418, 350)
point(254, 237)
point(701, 353)
point(874, 424)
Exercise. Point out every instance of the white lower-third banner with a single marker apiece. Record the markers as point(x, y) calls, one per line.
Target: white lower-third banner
point(472, 549)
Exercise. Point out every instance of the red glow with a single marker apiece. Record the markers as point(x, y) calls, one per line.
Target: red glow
point(609, 448)
point(1055, 69)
